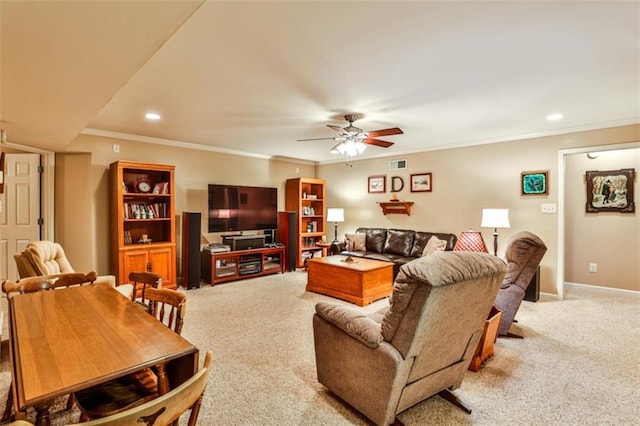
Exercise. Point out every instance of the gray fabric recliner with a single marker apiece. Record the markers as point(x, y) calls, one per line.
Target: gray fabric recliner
point(421, 345)
point(523, 254)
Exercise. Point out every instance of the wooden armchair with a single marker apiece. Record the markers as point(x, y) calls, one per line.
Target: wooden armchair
point(108, 399)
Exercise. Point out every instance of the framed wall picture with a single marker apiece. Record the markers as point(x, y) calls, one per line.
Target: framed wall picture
point(378, 184)
point(535, 183)
point(610, 191)
point(421, 182)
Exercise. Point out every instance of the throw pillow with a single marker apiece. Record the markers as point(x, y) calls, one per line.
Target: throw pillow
point(434, 244)
point(357, 242)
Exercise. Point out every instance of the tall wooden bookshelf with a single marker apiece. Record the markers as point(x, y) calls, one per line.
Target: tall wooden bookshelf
point(143, 236)
point(306, 196)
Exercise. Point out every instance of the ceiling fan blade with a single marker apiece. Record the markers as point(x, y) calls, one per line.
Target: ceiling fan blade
point(378, 142)
point(334, 150)
point(336, 128)
point(385, 132)
point(314, 139)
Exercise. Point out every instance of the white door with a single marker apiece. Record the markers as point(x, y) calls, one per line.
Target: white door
point(20, 209)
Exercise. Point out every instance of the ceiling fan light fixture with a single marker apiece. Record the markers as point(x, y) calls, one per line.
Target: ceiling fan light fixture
point(350, 148)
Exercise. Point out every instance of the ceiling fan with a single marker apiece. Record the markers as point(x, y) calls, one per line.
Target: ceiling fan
point(352, 135)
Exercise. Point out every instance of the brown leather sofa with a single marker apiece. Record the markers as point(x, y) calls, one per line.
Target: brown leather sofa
point(399, 246)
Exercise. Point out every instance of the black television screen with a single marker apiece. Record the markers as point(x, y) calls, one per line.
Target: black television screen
point(242, 208)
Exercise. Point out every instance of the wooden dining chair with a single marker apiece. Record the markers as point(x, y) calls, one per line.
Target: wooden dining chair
point(47, 282)
point(166, 409)
point(107, 399)
point(33, 285)
point(145, 279)
point(162, 411)
point(27, 285)
point(168, 306)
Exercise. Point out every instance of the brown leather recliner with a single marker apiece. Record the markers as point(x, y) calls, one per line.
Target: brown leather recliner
point(421, 345)
point(523, 254)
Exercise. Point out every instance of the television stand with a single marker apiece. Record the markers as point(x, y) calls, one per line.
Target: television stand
point(223, 267)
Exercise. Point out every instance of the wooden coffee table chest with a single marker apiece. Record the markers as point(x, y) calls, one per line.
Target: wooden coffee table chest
point(361, 281)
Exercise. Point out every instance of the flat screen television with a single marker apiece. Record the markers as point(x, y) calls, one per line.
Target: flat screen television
point(242, 208)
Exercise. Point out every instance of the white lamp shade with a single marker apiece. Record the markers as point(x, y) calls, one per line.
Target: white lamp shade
point(495, 218)
point(335, 215)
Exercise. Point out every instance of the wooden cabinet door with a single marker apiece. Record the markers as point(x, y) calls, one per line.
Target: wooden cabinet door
point(133, 261)
point(161, 259)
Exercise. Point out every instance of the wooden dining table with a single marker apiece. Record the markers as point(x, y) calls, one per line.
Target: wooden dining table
point(65, 340)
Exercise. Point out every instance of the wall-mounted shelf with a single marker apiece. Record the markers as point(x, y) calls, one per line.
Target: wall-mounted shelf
point(396, 207)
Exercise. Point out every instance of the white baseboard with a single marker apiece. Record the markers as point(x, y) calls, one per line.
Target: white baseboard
point(589, 287)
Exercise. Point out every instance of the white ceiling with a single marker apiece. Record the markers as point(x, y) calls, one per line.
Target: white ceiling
point(255, 76)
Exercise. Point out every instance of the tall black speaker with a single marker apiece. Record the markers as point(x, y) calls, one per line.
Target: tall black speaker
point(288, 235)
point(532, 293)
point(191, 223)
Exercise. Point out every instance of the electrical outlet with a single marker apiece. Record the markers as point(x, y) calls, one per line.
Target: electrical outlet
point(548, 208)
point(116, 147)
point(593, 267)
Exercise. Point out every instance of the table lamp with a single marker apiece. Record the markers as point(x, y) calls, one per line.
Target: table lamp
point(495, 218)
point(335, 215)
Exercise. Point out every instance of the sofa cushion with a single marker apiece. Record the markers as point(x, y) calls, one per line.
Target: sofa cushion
point(434, 244)
point(375, 238)
point(422, 238)
point(357, 241)
point(399, 241)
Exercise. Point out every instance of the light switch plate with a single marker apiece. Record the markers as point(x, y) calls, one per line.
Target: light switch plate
point(548, 208)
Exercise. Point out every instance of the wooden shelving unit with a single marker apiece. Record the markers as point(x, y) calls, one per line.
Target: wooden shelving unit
point(236, 265)
point(306, 196)
point(396, 207)
point(142, 207)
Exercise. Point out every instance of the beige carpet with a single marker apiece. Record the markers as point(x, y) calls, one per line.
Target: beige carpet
point(578, 363)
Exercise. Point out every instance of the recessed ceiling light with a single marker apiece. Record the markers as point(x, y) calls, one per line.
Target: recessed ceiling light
point(555, 117)
point(152, 116)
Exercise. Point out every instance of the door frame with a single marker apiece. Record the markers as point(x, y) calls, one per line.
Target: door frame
point(562, 155)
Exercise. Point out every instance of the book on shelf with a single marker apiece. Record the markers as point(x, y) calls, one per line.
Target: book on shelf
point(145, 211)
point(161, 188)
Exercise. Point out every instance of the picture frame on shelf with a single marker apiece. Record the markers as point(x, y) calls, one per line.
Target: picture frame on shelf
point(610, 191)
point(421, 182)
point(534, 182)
point(377, 184)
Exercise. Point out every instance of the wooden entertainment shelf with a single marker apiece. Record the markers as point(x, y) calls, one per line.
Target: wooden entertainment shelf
point(236, 265)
